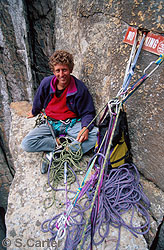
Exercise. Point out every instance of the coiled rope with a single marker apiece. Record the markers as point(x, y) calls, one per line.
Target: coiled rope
point(69, 152)
point(121, 192)
point(60, 156)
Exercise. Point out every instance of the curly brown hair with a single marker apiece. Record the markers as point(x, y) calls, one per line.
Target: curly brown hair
point(61, 57)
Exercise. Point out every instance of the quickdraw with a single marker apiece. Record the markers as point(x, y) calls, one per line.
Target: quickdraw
point(157, 62)
point(133, 65)
point(139, 82)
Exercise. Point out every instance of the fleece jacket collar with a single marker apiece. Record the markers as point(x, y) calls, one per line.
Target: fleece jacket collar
point(72, 89)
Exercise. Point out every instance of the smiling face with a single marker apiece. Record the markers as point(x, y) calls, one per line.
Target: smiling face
point(62, 73)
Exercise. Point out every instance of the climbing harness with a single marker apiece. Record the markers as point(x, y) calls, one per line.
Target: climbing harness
point(39, 120)
point(108, 194)
point(57, 127)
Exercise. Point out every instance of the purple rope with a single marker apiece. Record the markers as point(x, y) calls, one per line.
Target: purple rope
point(121, 193)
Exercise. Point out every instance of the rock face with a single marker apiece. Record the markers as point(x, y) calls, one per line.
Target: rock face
point(97, 31)
point(26, 209)
point(22, 63)
point(31, 30)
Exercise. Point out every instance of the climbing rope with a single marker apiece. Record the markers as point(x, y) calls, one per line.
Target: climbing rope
point(99, 183)
point(62, 155)
point(121, 192)
point(64, 217)
point(69, 154)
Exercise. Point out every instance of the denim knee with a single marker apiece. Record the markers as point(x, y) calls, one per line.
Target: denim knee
point(25, 145)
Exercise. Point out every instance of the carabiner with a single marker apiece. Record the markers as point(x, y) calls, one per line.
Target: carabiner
point(113, 106)
point(157, 62)
point(153, 62)
point(61, 233)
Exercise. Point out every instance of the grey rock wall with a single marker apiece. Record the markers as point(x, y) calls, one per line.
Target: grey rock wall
point(15, 77)
point(96, 31)
point(23, 63)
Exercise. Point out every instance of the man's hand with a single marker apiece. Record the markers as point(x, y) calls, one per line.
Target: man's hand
point(83, 136)
point(30, 115)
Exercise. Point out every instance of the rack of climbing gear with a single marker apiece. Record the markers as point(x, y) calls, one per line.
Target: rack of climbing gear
point(108, 194)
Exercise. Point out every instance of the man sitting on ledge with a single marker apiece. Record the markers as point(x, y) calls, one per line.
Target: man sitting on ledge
point(67, 103)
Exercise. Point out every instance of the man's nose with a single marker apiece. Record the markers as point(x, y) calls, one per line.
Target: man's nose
point(61, 73)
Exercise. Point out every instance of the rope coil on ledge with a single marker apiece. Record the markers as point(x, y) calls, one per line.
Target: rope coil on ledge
point(69, 152)
point(121, 192)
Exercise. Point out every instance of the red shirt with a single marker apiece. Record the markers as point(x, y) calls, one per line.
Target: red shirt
point(58, 109)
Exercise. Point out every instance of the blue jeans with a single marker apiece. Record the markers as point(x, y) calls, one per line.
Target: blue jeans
point(41, 139)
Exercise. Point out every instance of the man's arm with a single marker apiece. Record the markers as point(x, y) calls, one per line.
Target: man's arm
point(41, 96)
point(82, 104)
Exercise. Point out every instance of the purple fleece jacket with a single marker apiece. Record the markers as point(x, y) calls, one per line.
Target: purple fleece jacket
point(78, 99)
